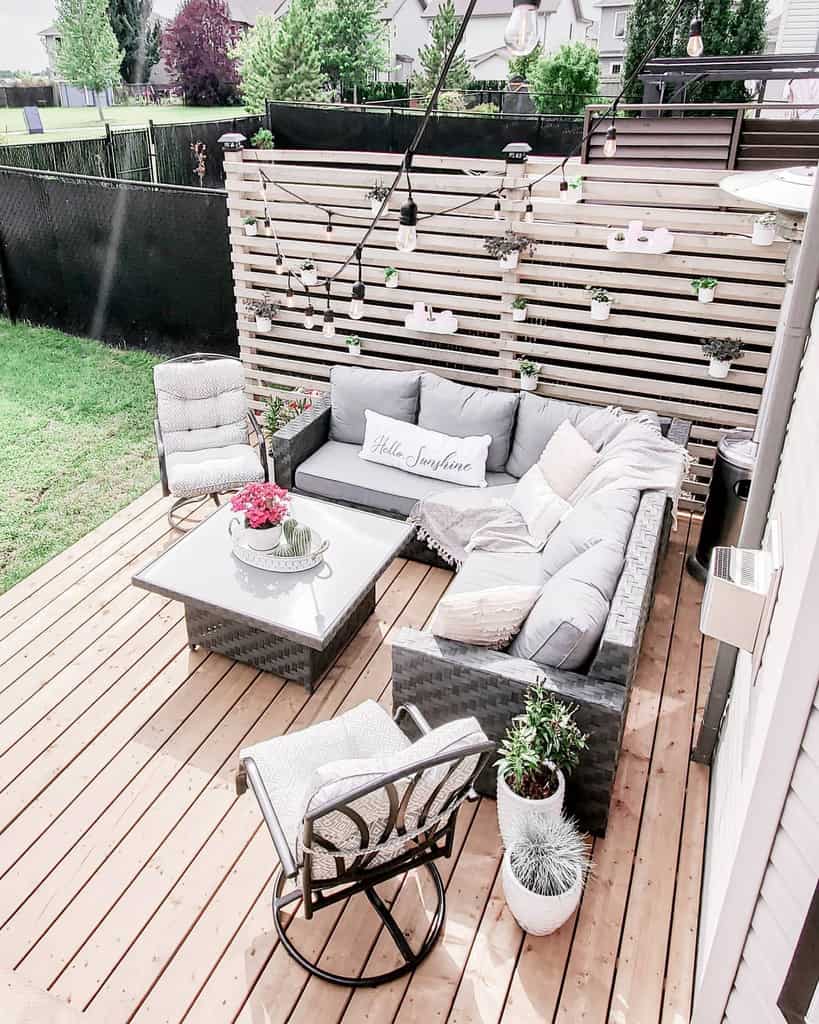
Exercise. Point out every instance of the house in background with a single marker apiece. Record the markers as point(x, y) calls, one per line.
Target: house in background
point(611, 42)
point(69, 95)
point(407, 32)
point(793, 28)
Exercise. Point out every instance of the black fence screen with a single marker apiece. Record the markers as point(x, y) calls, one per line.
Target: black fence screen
point(389, 130)
point(27, 96)
point(176, 162)
point(145, 265)
point(73, 156)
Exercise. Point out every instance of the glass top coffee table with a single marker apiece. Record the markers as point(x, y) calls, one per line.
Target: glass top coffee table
point(291, 624)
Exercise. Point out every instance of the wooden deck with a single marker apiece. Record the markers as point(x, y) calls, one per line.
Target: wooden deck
point(135, 885)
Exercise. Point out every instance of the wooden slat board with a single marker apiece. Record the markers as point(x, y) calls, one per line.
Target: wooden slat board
point(646, 356)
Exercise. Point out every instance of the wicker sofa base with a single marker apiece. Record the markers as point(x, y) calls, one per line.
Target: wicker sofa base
point(265, 650)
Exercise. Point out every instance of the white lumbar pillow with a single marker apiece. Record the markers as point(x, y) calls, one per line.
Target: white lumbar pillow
point(540, 507)
point(486, 618)
point(567, 460)
point(458, 460)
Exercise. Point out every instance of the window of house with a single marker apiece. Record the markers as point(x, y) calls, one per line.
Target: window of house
point(620, 19)
point(616, 68)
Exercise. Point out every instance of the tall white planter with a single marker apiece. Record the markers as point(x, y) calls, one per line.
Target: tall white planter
point(512, 808)
point(719, 368)
point(538, 915)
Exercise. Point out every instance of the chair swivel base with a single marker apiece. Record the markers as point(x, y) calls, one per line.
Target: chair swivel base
point(176, 524)
point(410, 957)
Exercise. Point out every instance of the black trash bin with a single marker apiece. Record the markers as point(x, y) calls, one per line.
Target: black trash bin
point(725, 505)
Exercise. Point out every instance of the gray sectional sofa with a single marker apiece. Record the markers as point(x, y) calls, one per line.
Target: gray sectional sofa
point(597, 570)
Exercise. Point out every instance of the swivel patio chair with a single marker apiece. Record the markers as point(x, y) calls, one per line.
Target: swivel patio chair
point(201, 428)
point(351, 803)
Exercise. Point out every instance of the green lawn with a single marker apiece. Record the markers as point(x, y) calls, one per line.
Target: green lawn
point(77, 440)
point(82, 122)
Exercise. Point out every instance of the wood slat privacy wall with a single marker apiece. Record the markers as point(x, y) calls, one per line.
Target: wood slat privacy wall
point(646, 356)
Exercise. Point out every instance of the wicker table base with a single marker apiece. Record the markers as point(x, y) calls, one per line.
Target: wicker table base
point(265, 650)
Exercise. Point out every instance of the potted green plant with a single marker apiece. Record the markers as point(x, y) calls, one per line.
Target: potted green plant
point(764, 231)
point(519, 308)
point(600, 303)
point(721, 353)
point(541, 747)
point(263, 311)
point(251, 227)
point(545, 867)
point(354, 345)
point(705, 288)
point(508, 248)
point(528, 371)
point(263, 139)
point(308, 274)
point(390, 277)
point(377, 194)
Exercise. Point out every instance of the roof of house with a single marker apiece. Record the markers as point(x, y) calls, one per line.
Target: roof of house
point(481, 58)
point(50, 31)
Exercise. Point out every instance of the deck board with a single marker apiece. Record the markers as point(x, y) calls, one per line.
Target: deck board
point(135, 885)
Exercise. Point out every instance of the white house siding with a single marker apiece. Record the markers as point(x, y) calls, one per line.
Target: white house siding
point(765, 723)
point(798, 32)
point(407, 31)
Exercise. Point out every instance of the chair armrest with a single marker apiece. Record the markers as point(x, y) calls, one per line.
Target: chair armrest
point(257, 430)
point(298, 439)
point(248, 774)
point(412, 712)
point(679, 431)
point(160, 454)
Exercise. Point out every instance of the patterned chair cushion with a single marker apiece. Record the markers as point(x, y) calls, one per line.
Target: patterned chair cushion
point(212, 470)
point(201, 405)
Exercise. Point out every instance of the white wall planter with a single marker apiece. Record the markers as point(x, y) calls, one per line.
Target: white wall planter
point(309, 278)
point(354, 350)
point(264, 324)
point(519, 315)
point(512, 808)
point(638, 239)
point(510, 261)
point(705, 294)
point(538, 915)
point(763, 234)
point(391, 281)
point(528, 383)
point(251, 230)
point(600, 310)
point(719, 368)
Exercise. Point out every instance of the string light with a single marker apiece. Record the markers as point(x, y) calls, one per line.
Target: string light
point(695, 45)
point(610, 145)
point(289, 295)
point(328, 231)
point(529, 213)
point(407, 237)
point(521, 29)
point(564, 190)
point(328, 328)
point(309, 313)
point(279, 268)
point(357, 300)
point(497, 209)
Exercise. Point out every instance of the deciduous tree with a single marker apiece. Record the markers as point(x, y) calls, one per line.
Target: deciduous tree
point(138, 36)
point(88, 54)
point(353, 42)
point(431, 57)
point(564, 82)
point(197, 46)
point(523, 65)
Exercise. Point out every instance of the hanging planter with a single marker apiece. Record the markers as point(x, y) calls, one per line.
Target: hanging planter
point(391, 277)
point(600, 303)
point(529, 372)
point(764, 232)
point(263, 312)
point(354, 345)
point(520, 309)
point(251, 226)
point(308, 274)
point(705, 287)
point(377, 195)
point(508, 248)
point(721, 353)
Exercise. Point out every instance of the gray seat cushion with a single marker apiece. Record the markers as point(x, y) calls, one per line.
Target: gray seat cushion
point(463, 411)
point(354, 389)
point(336, 472)
point(484, 570)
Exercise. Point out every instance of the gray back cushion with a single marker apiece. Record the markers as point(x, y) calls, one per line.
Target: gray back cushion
point(538, 419)
point(354, 389)
point(462, 411)
point(606, 516)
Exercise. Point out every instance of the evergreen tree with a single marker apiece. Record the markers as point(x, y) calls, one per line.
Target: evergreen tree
point(197, 46)
point(295, 69)
point(88, 55)
point(566, 81)
point(645, 19)
point(354, 41)
point(523, 65)
point(255, 56)
point(444, 28)
point(138, 37)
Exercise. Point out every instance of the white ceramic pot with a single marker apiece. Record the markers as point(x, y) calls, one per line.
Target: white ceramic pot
point(705, 294)
point(510, 261)
point(375, 206)
point(519, 315)
point(719, 368)
point(513, 808)
point(260, 540)
point(251, 230)
point(309, 278)
point(528, 383)
point(354, 350)
point(538, 915)
point(264, 324)
point(600, 310)
point(763, 234)
point(392, 281)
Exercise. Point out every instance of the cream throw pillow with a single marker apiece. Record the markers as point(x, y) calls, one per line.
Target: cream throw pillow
point(486, 618)
point(539, 506)
point(458, 460)
point(567, 460)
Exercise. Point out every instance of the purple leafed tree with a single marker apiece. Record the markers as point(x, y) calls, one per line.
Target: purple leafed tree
point(196, 47)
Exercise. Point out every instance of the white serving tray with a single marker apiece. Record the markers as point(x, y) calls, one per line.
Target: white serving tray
point(272, 563)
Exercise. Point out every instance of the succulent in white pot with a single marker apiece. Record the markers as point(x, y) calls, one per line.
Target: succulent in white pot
point(263, 311)
point(508, 248)
point(390, 277)
point(354, 345)
point(308, 274)
point(251, 227)
point(519, 309)
point(764, 231)
point(544, 870)
point(377, 194)
point(541, 747)
point(528, 371)
point(721, 353)
point(705, 288)
point(600, 303)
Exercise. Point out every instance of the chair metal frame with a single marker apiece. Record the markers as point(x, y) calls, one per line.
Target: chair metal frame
point(319, 893)
point(201, 357)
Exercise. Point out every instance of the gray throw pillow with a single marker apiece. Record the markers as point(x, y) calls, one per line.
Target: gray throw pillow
point(538, 419)
point(463, 411)
point(354, 389)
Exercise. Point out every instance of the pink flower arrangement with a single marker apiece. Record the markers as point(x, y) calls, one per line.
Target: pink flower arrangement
point(264, 505)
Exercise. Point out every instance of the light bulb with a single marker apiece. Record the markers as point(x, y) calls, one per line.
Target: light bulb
point(497, 210)
point(695, 47)
point(521, 30)
point(309, 318)
point(328, 328)
point(289, 298)
point(407, 237)
point(357, 301)
point(279, 265)
point(564, 191)
point(529, 215)
point(610, 145)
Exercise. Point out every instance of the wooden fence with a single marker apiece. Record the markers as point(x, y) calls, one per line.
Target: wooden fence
point(646, 356)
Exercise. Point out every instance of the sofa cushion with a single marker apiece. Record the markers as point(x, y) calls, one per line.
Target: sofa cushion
point(485, 569)
point(355, 389)
point(486, 618)
point(201, 405)
point(538, 418)
point(605, 516)
point(337, 472)
point(567, 621)
point(463, 411)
